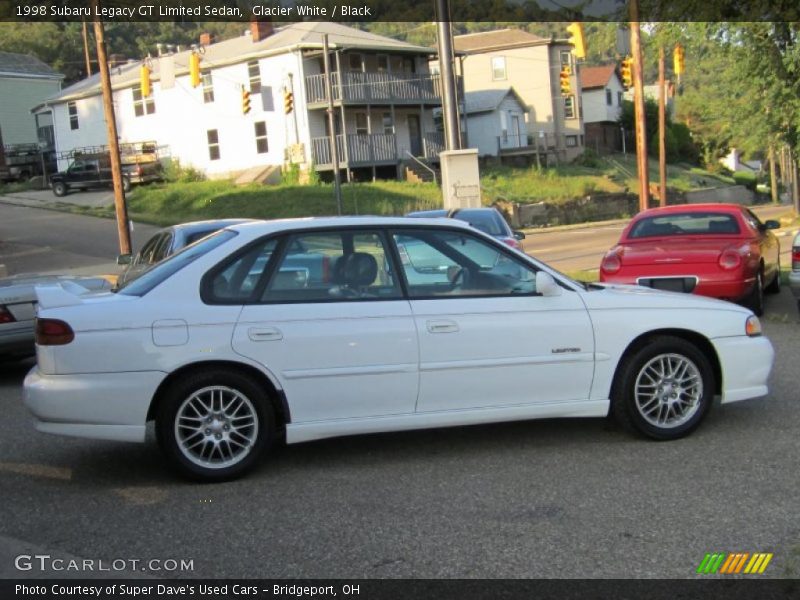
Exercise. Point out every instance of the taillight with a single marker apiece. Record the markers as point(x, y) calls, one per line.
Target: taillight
point(512, 242)
point(730, 259)
point(5, 315)
point(796, 258)
point(611, 262)
point(53, 332)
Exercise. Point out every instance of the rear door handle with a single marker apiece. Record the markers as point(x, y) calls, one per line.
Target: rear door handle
point(442, 326)
point(264, 334)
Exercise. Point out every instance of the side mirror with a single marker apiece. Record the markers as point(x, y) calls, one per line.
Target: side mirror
point(519, 235)
point(546, 285)
point(772, 224)
point(124, 259)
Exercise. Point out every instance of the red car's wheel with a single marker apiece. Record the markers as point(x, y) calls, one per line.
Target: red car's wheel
point(755, 299)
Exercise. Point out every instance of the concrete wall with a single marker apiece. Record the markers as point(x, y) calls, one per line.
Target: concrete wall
point(18, 96)
point(736, 194)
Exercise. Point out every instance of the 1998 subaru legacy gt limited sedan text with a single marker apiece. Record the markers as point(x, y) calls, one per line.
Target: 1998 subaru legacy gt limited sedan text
point(318, 328)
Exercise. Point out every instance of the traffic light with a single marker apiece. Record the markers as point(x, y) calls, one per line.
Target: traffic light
point(577, 39)
point(625, 71)
point(144, 81)
point(564, 78)
point(194, 69)
point(678, 64)
point(245, 101)
point(288, 101)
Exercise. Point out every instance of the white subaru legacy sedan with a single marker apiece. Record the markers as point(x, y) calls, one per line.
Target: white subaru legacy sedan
point(308, 329)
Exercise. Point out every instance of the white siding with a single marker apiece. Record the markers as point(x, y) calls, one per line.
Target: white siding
point(484, 129)
point(595, 108)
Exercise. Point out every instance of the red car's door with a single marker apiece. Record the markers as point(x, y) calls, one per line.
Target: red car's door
point(768, 245)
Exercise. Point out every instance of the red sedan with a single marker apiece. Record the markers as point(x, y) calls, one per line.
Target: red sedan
point(718, 250)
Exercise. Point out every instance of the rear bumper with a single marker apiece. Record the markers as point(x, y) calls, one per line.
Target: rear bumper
point(109, 406)
point(746, 365)
point(794, 283)
point(726, 286)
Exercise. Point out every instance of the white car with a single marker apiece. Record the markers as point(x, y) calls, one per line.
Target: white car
point(328, 327)
point(794, 274)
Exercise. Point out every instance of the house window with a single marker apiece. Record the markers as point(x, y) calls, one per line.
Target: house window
point(213, 144)
point(261, 137)
point(504, 126)
point(355, 62)
point(609, 98)
point(254, 73)
point(566, 58)
point(361, 124)
point(142, 106)
point(73, 115)
point(388, 124)
point(619, 98)
point(498, 67)
point(571, 141)
point(569, 107)
point(383, 63)
point(208, 87)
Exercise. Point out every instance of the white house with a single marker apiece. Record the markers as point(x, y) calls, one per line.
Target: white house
point(495, 121)
point(24, 82)
point(734, 163)
point(383, 97)
point(602, 95)
point(531, 65)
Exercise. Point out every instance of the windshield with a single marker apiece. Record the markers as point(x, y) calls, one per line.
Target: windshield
point(168, 267)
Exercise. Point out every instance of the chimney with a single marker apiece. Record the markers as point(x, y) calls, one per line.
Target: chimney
point(206, 39)
point(260, 30)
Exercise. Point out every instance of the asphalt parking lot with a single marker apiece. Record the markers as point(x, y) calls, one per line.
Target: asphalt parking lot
point(558, 498)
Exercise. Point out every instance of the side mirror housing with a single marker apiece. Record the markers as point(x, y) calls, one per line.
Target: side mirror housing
point(772, 224)
point(124, 259)
point(519, 235)
point(546, 285)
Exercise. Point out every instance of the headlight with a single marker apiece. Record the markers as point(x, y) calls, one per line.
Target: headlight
point(752, 326)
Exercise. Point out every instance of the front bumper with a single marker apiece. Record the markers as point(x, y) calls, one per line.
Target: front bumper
point(746, 365)
point(108, 406)
point(794, 283)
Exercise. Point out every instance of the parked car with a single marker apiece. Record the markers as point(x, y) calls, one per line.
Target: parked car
point(94, 172)
point(718, 250)
point(488, 220)
point(18, 308)
point(794, 274)
point(231, 344)
point(167, 242)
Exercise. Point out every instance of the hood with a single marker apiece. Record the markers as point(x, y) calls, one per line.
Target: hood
point(636, 296)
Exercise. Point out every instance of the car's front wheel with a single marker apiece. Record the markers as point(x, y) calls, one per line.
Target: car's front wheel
point(60, 189)
point(664, 389)
point(214, 425)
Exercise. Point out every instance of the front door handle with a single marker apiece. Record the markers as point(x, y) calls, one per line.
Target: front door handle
point(442, 326)
point(264, 334)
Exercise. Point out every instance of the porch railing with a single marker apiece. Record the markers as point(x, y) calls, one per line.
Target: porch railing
point(357, 86)
point(361, 149)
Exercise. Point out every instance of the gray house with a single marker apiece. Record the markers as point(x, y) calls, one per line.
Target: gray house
point(24, 82)
point(495, 121)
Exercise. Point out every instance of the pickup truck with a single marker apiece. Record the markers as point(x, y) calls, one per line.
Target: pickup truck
point(92, 173)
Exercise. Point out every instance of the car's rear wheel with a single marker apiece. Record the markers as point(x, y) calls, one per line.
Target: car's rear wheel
point(214, 425)
point(774, 286)
point(755, 299)
point(60, 189)
point(664, 389)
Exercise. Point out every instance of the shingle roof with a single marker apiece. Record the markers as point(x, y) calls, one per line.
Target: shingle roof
point(305, 34)
point(495, 40)
point(478, 101)
point(25, 64)
point(596, 77)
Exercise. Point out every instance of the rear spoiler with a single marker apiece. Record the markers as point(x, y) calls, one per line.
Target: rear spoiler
point(56, 295)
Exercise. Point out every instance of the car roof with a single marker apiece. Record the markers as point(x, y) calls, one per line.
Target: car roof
point(258, 227)
point(208, 225)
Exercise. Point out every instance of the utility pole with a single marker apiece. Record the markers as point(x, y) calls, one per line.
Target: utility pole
point(662, 132)
point(452, 131)
point(86, 50)
point(123, 227)
point(638, 104)
point(337, 180)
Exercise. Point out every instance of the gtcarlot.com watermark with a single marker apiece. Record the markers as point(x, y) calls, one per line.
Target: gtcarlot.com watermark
point(48, 563)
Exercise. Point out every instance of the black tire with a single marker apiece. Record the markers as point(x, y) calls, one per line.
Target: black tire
point(126, 185)
point(635, 411)
point(188, 393)
point(755, 299)
point(60, 189)
point(774, 286)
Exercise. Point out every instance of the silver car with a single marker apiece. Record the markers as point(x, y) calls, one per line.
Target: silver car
point(18, 308)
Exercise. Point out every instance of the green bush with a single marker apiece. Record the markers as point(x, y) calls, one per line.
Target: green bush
point(174, 172)
point(746, 179)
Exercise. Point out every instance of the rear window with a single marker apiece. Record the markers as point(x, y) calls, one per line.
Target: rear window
point(677, 224)
point(486, 221)
point(165, 269)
